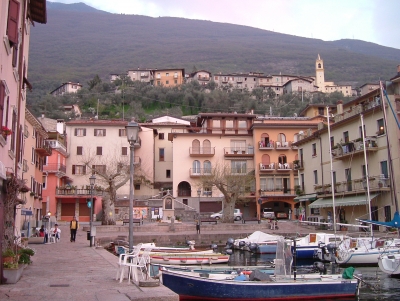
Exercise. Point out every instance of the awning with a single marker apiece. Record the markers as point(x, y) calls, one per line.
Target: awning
point(343, 201)
point(306, 197)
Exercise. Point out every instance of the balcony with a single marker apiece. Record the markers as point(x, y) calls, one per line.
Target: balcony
point(198, 172)
point(268, 146)
point(78, 192)
point(283, 145)
point(298, 165)
point(44, 149)
point(356, 186)
point(242, 151)
point(57, 145)
point(357, 109)
point(354, 148)
point(203, 78)
point(59, 169)
point(267, 167)
point(276, 190)
point(202, 151)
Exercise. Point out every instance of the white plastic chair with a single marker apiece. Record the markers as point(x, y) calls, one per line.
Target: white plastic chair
point(123, 260)
point(51, 237)
point(141, 264)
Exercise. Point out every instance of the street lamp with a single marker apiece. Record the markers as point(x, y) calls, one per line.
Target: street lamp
point(92, 180)
point(132, 130)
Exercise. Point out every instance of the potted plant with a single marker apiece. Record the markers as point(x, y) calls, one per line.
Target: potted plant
point(8, 256)
point(5, 131)
point(32, 193)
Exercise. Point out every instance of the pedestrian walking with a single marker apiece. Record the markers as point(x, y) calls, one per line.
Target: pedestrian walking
point(198, 226)
point(73, 226)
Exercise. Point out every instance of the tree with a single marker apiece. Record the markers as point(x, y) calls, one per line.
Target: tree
point(95, 81)
point(233, 181)
point(112, 172)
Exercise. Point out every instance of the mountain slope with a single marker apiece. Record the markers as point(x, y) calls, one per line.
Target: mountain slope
point(79, 42)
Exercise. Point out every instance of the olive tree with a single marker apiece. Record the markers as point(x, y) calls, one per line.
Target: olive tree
point(233, 181)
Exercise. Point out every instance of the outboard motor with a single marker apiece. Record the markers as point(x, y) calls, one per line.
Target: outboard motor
point(229, 243)
point(228, 251)
point(214, 247)
point(242, 244)
point(191, 244)
point(320, 267)
point(253, 247)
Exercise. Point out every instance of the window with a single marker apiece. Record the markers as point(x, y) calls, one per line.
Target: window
point(78, 169)
point(137, 186)
point(124, 151)
point(314, 149)
point(158, 83)
point(122, 132)
point(196, 167)
point(207, 191)
point(33, 157)
point(238, 167)
point(168, 173)
point(381, 128)
point(80, 132)
point(44, 180)
point(99, 132)
point(384, 169)
point(207, 167)
point(161, 154)
point(79, 150)
point(99, 168)
point(12, 23)
point(320, 111)
point(332, 142)
point(176, 82)
point(315, 177)
point(347, 173)
point(2, 97)
point(161, 136)
point(346, 136)
point(195, 146)
point(167, 74)
point(167, 82)
point(99, 150)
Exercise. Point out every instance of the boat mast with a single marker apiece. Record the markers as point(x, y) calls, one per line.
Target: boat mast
point(366, 172)
point(391, 173)
point(332, 184)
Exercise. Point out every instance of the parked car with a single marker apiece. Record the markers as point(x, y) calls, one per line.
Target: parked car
point(268, 213)
point(237, 215)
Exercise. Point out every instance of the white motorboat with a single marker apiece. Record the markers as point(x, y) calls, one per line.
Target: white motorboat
point(258, 242)
point(307, 246)
point(365, 251)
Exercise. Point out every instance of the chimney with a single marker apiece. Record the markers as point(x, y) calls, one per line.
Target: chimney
point(339, 107)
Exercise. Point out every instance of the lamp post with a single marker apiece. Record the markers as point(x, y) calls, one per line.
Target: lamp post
point(132, 130)
point(92, 180)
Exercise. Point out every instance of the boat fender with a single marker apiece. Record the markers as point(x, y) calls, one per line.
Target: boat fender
point(230, 241)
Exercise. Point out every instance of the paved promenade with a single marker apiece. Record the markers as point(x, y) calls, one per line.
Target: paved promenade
point(74, 272)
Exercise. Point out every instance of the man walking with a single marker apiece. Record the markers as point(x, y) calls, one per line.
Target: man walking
point(74, 226)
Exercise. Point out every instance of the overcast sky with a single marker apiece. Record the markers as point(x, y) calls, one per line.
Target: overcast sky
point(374, 21)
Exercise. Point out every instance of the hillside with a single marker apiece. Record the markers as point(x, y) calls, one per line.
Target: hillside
point(79, 42)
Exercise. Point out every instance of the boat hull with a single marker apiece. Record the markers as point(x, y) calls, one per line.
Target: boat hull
point(196, 288)
point(188, 259)
point(390, 264)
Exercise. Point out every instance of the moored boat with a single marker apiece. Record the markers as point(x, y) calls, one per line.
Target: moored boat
point(188, 258)
point(258, 242)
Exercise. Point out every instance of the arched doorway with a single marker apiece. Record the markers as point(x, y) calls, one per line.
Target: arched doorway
point(184, 189)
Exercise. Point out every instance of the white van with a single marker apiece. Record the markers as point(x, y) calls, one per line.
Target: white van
point(268, 213)
point(237, 215)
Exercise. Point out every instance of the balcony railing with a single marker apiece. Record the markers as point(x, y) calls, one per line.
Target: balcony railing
point(57, 145)
point(355, 147)
point(242, 151)
point(376, 183)
point(276, 166)
point(357, 109)
point(276, 190)
point(75, 191)
point(198, 172)
point(55, 168)
point(283, 145)
point(202, 151)
point(265, 146)
point(44, 149)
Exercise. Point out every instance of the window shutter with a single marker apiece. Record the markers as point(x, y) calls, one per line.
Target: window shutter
point(95, 132)
point(76, 132)
point(104, 132)
point(12, 24)
point(15, 56)
point(79, 150)
point(84, 132)
point(84, 169)
point(2, 96)
point(120, 132)
point(73, 169)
